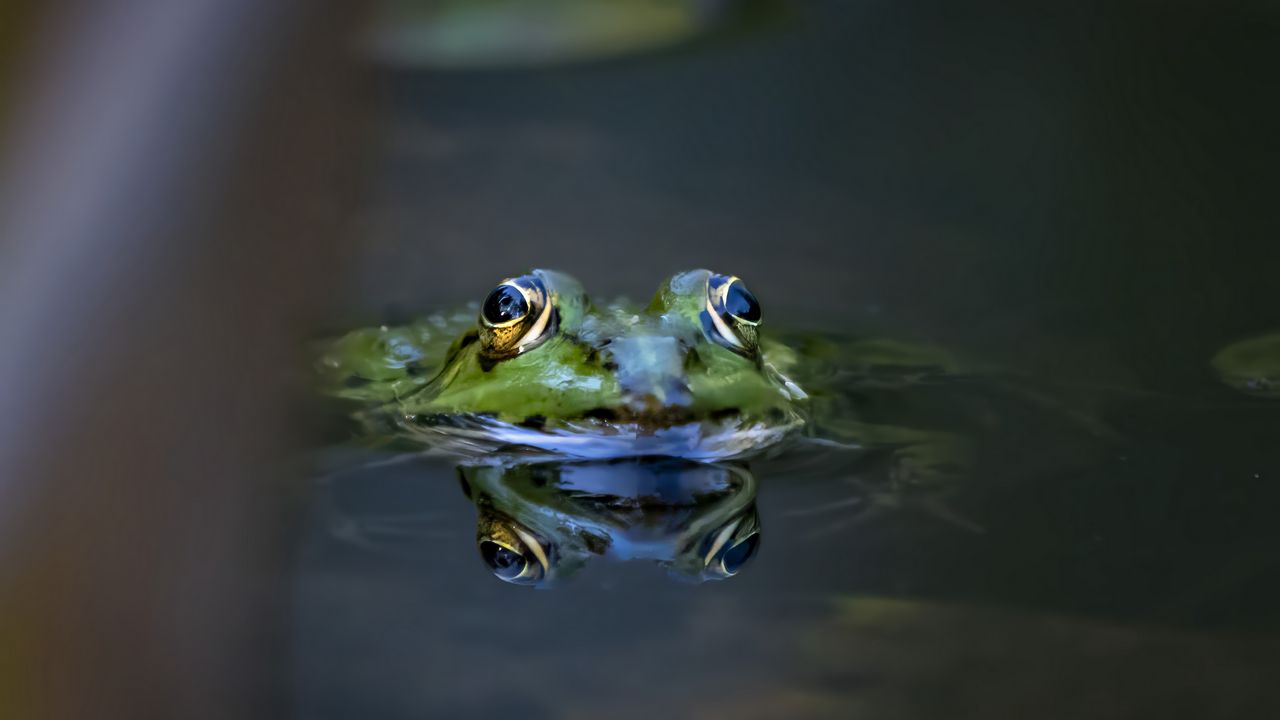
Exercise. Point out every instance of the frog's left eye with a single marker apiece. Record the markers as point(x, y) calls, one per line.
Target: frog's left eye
point(515, 317)
point(733, 313)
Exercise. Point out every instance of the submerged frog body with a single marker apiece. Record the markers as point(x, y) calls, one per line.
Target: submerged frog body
point(543, 367)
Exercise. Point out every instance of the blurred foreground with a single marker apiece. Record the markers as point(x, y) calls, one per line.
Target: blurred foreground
point(191, 189)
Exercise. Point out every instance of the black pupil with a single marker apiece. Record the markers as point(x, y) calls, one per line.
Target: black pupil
point(739, 554)
point(741, 303)
point(506, 563)
point(505, 304)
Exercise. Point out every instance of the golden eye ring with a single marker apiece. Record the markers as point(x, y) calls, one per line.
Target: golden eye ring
point(729, 548)
point(733, 313)
point(515, 317)
point(514, 554)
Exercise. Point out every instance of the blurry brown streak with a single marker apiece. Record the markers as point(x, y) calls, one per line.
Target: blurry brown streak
point(171, 210)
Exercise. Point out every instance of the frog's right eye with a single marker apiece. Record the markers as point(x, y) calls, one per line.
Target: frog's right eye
point(515, 555)
point(515, 317)
point(732, 315)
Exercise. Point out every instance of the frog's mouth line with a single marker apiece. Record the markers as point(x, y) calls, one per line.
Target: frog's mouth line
point(641, 415)
point(594, 438)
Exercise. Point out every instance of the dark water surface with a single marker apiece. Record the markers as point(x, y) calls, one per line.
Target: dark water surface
point(1080, 197)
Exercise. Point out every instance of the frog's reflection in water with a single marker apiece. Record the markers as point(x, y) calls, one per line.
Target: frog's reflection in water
point(540, 523)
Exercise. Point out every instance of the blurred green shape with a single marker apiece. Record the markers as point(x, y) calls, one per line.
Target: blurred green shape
point(1251, 366)
point(471, 34)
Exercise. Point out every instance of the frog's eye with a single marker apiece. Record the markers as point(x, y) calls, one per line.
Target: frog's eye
point(515, 317)
point(731, 546)
point(732, 313)
point(514, 554)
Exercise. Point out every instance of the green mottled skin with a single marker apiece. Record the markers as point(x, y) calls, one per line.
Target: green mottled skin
point(619, 370)
point(652, 365)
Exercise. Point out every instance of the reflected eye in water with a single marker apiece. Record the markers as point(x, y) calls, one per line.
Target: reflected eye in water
point(732, 560)
point(730, 547)
point(732, 314)
point(515, 317)
point(506, 563)
point(512, 552)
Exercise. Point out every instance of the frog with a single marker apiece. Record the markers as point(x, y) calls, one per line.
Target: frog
point(537, 366)
point(537, 372)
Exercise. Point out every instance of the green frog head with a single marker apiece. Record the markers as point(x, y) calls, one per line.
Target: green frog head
point(540, 365)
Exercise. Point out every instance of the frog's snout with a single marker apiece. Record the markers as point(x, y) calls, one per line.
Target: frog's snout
point(650, 371)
